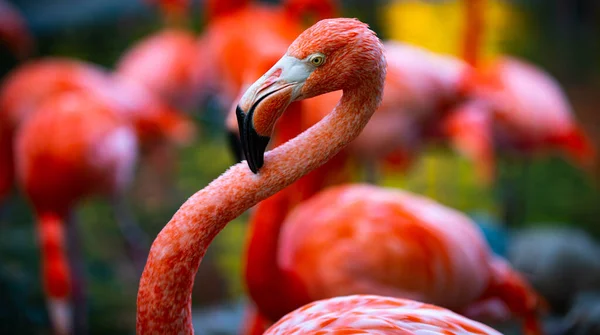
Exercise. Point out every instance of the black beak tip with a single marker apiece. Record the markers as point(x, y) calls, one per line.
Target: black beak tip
point(253, 145)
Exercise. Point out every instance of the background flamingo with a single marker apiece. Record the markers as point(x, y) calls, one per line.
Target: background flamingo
point(72, 147)
point(226, 37)
point(163, 62)
point(31, 83)
point(421, 253)
point(513, 108)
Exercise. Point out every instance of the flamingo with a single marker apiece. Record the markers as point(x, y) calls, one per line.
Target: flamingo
point(331, 55)
point(225, 38)
point(14, 32)
point(417, 249)
point(375, 315)
point(512, 107)
point(73, 146)
point(520, 109)
point(163, 62)
point(26, 92)
point(31, 83)
point(421, 87)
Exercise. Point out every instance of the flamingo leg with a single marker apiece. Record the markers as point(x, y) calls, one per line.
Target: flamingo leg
point(77, 266)
point(136, 240)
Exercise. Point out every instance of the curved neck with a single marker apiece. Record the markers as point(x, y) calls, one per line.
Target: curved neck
point(164, 296)
point(473, 30)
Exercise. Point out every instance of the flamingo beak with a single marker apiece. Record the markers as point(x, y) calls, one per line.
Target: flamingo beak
point(263, 103)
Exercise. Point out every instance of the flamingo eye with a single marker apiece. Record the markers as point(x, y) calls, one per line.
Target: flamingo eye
point(317, 59)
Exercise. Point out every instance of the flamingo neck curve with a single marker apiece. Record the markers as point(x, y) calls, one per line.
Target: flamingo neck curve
point(164, 296)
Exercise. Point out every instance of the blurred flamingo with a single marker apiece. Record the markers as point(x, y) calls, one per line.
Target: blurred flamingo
point(28, 91)
point(163, 63)
point(423, 251)
point(513, 107)
point(518, 109)
point(73, 146)
point(226, 38)
point(14, 32)
point(331, 55)
point(31, 83)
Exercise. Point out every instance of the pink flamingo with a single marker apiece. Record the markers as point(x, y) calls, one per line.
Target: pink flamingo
point(31, 83)
point(163, 62)
point(331, 55)
point(424, 251)
point(225, 38)
point(72, 147)
point(37, 87)
point(512, 107)
point(375, 315)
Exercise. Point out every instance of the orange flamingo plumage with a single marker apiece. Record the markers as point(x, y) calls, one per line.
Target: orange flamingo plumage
point(38, 86)
point(72, 147)
point(14, 32)
point(225, 38)
point(31, 83)
point(406, 107)
point(331, 55)
point(163, 62)
point(423, 251)
point(513, 106)
point(519, 108)
point(360, 314)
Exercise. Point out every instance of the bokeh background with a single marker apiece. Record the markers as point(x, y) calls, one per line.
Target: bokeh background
point(561, 36)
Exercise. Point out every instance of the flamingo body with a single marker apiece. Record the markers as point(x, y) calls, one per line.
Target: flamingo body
point(424, 250)
point(370, 314)
point(163, 63)
point(73, 147)
point(83, 146)
point(517, 108)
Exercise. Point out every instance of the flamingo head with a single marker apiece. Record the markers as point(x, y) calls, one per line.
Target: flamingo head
point(332, 55)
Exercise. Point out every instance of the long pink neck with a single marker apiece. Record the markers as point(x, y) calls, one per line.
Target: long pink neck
point(164, 297)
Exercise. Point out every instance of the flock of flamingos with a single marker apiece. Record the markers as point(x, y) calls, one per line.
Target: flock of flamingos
point(324, 255)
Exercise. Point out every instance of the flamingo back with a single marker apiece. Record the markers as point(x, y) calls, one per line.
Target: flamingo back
point(73, 146)
point(368, 314)
point(363, 239)
point(163, 62)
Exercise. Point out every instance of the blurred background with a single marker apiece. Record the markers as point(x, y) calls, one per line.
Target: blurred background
point(551, 203)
